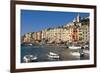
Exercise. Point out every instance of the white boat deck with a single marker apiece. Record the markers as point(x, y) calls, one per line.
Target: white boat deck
point(74, 47)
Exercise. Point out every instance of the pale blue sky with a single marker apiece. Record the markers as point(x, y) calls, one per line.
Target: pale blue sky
point(33, 21)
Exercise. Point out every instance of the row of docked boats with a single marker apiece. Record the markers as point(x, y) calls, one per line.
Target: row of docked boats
point(33, 58)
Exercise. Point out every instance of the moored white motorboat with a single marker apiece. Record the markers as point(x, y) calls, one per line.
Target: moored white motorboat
point(30, 44)
point(74, 47)
point(53, 55)
point(75, 53)
point(29, 58)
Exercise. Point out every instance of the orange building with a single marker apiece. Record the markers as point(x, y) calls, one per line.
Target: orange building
point(75, 35)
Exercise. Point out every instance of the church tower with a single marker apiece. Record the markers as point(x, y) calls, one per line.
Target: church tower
point(78, 18)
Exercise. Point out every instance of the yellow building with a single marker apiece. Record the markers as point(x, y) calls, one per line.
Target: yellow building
point(27, 38)
point(84, 33)
point(37, 37)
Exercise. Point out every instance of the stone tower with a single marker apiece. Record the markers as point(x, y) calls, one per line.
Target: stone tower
point(78, 18)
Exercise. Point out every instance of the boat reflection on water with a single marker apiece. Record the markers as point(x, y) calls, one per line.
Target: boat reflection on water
point(29, 58)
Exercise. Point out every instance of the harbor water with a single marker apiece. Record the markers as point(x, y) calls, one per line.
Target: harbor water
point(42, 53)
